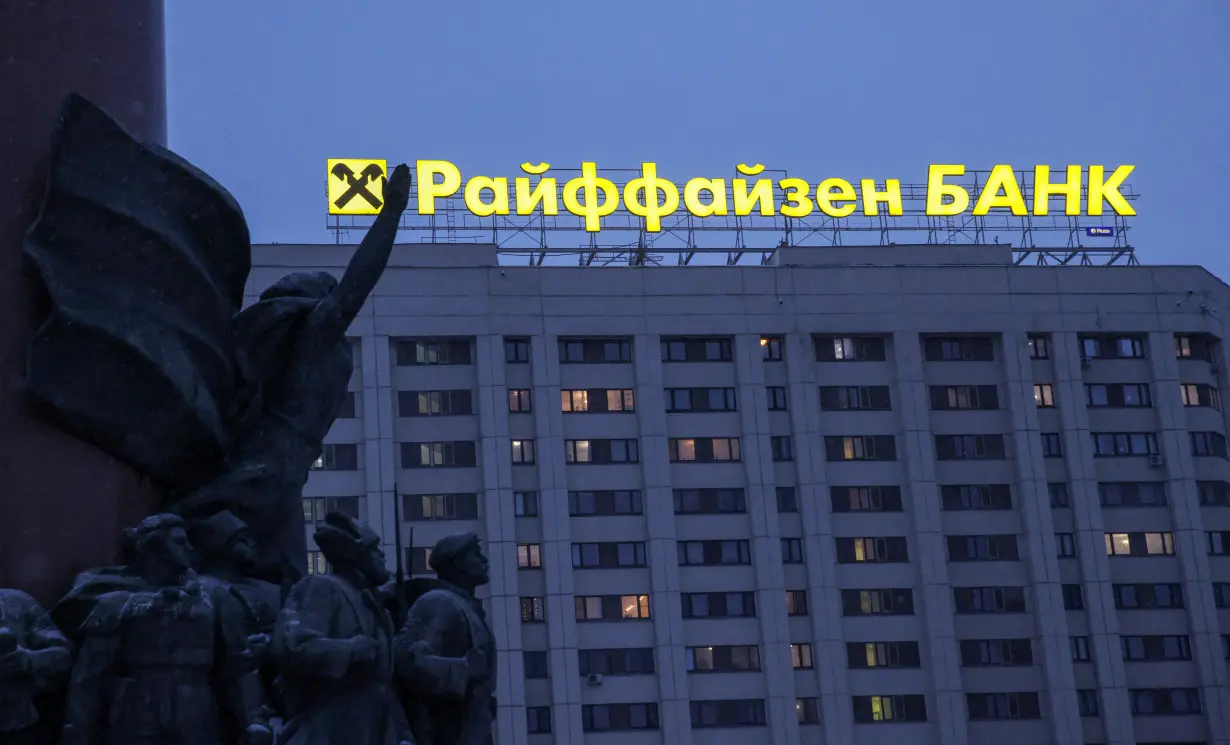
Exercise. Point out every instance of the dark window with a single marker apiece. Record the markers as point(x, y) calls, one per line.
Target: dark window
point(597, 400)
point(958, 397)
point(787, 500)
point(525, 503)
point(1164, 701)
point(538, 720)
point(704, 449)
point(1003, 706)
point(1073, 597)
point(728, 713)
point(872, 709)
point(871, 550)
point(895, 601)
point(808, 710)
point(607, 555)
point(456, 454)
point(796, 602)
point(611, 607)
point(1194, 347)
point(1219, 542)
point(865, 498)
point(700, 400)
point(959, 349)
point(337, 458)
point(713, 553)
point(777, 397)
point(1052, 445)
point(349, 407)
point(709, 501)
point(622, 661)
point(440, 506)
point(1121, 444)
point(860, 447)
point(533, 610)
point(315, 508)
point(1058, 492)
point(602, 451)
point(969, 447)
point(594, 351)
point(792, 551)
point(983, 548)
point(781, 448)
point(605, 502)
point(1119, 395)
point(849, 349)
point(1039, 347)
point(1221, 594)
point(1087, 702)
point(516, 351)
point(719, 604)
point(855, 398)
point(723, 659)
point(519, 401)
point(1205, 444)
point(866, 655)
point(970, 600)
point(997, 653)
point(535, 664)
point(1132, 494)
point(1144, 596)
point(522, 452)
point(1065, 545)
point(1213, 493)
point(772, 348)
point(976, 497)
point(1155, 648)
point(434, 403)
point(1112, 346)
point(618, 717)
point(690, 349)
point(413, 352)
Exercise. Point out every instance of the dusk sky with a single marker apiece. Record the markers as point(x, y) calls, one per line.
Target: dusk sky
point(262, 93)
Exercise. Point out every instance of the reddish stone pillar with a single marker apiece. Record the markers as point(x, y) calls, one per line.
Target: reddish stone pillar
point(63, 503)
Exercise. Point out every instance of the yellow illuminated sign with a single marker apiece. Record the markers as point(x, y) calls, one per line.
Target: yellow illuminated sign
point(1084, 191)
point(356, 187)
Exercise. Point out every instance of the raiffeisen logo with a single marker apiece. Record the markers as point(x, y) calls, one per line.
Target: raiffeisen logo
point(355, 188)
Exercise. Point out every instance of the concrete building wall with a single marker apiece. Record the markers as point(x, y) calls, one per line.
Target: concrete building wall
point(1045, 467)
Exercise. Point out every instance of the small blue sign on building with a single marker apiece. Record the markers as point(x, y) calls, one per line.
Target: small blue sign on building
point(1102, 232)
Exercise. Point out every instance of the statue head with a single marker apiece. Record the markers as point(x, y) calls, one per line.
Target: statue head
point(348, 545)
point(313, 285)
point(223, 536)
point(458, 559)
point(159, 542)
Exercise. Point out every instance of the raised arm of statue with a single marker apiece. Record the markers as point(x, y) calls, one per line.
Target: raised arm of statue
point(369, 260)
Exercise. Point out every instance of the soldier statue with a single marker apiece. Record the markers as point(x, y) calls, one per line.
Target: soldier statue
point(446, 652)
point(165, 663)
point(226, 553)
point(34, 659)
point(333, 644)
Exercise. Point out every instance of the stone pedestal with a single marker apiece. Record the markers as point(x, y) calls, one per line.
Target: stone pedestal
point(63, 503)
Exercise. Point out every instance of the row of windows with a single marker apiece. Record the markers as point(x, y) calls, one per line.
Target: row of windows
point(828, 348)
point(1023, 705)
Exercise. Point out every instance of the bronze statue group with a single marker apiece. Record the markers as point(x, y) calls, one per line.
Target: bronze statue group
point(210, 631)
point(154, 652)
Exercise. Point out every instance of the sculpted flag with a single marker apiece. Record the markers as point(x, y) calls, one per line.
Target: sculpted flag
point(144, 258)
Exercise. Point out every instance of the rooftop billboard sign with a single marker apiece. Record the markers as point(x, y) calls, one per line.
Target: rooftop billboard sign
point(355, 187)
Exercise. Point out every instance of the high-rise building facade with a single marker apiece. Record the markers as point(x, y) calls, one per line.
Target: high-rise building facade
point(868, 495)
